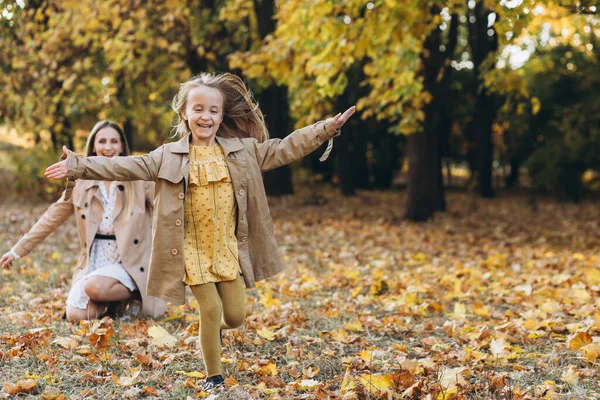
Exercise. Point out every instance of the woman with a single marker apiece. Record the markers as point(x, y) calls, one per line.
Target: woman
point(114, 227)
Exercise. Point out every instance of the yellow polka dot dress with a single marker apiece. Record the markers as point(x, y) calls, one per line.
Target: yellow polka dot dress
point(210, 246)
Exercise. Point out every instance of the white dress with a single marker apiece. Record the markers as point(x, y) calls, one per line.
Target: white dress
point(104, 256)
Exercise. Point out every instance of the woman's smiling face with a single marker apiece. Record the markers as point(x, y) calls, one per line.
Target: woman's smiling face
point(107, 143)
point(204, 113)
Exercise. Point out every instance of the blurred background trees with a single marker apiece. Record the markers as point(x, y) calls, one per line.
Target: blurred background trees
point(483, 95)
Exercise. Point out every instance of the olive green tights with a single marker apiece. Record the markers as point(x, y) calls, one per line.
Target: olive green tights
point(222, 306)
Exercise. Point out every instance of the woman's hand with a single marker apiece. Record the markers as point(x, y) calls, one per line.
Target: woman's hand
point(60, 169)
point(7, 260)
point(340, 119)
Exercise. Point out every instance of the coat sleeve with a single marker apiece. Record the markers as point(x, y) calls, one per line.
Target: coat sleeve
point(54, 217)
point(129, 168)
point(275, 153)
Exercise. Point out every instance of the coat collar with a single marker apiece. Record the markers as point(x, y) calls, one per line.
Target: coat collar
point(182, 146)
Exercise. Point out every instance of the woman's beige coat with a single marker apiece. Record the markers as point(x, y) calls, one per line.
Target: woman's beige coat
point(168, 166)
point(133, 234)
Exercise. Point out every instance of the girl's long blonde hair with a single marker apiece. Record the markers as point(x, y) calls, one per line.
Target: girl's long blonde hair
point(241, 115)
point(128, 191)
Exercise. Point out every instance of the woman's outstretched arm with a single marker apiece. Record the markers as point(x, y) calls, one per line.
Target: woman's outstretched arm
point(53, 218)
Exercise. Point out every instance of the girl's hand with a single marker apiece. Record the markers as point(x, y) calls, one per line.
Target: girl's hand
point(340, 119)
point(7, 260)
point(60, 169)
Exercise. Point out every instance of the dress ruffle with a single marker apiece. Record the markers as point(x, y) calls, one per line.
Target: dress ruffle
point(208, 165)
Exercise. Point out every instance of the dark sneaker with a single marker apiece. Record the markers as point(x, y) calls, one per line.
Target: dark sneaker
point(213, 382)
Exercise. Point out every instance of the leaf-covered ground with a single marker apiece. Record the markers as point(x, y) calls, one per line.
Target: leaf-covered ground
point(493, 300)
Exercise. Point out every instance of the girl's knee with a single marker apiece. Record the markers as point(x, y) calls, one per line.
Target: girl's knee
point(211, 312)
point(235, 319)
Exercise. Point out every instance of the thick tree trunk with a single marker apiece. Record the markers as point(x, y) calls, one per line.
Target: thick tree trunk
point(344, 162)
point(273, 102)
point(425, 183)
point(482, 123)
point(482, 45)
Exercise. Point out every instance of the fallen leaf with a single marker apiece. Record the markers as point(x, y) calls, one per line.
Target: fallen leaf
point(160, 337)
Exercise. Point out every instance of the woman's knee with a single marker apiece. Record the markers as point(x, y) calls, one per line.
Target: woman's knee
point(93, 289)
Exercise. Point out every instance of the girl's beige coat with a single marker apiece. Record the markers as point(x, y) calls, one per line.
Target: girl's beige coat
point(168, 166)
point(132, 234)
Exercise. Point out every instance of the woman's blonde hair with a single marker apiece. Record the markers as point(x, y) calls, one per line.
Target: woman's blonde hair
point(89, 151)
point(241, 115)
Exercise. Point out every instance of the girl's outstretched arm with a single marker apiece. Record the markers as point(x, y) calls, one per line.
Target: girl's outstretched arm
point(274, 153)
point(129, 168)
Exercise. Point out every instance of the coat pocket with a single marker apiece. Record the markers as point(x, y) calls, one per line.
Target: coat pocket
point(171, 170)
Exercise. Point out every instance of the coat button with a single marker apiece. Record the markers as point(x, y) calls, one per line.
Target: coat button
point(181, 196)
point(174, 252)
point(141, 269)
point(86, 204)
point(83, 216)
point(178, 222)
point(242, 191)
point(244, 239)
point(135, 241)
point(121, 187)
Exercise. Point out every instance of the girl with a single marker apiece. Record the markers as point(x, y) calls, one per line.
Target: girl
point(212, 229)
point(113, 222)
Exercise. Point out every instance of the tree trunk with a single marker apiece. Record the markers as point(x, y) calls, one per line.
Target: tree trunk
point(482, 45)
point(344, 163)
point(425, 184)
point(273, 102)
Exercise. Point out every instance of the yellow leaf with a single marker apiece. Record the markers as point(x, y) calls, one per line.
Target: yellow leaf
point(268, 300)
point(535, 105)
point(450, 378)
point(356, 291)
point(310, 372)
point(268, 370)
point(499, 348)
point(341, 335)
point(193, 374)
point(354, 326)
point(56, 255)
point(367, 356)
point(66, 342)
point(570, 375)
point(591, 352)
point(160, 337)
point(376, 383)
point(127, 381)
point(307, 384)
point(578, 340)
point(266, 333)
point(347, 382)
point(460, 310)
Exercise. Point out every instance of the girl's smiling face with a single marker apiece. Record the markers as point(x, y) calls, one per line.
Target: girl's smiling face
point(204, 113)
point(107, 143)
